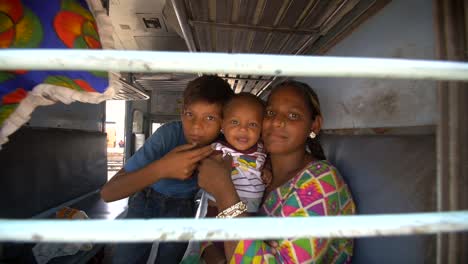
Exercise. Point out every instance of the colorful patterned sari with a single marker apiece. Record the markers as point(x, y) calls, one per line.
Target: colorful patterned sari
point(318, 190)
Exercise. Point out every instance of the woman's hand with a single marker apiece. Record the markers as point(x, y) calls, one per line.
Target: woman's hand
point(274, 246)
point(213, 255)
point(267, 177)
point(214, 176)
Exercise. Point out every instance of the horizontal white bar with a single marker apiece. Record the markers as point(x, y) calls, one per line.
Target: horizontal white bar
point(231, 229)
point(255, 64)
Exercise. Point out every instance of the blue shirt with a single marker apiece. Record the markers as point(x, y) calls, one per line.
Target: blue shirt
point(165, 139)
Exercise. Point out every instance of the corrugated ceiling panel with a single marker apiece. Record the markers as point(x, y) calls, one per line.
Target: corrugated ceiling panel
point(320, 13)
point(294, 42)
point(162, 85)
point(278, 40)
point(289, 27)
point(294, 12)
point(259, 85)
point(129, 92)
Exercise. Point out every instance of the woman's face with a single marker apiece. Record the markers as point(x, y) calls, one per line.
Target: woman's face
point(287, 122)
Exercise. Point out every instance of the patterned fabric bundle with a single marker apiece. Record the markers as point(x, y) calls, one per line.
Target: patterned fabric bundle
point(57, 24)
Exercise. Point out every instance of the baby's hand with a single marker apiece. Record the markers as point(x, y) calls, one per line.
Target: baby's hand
point(267, 176)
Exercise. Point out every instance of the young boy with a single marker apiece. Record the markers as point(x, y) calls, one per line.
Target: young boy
point(158, 176)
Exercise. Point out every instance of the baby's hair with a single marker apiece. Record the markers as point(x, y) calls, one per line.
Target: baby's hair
point(251, 98)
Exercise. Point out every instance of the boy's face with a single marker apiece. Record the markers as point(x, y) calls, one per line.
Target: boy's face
point(242, 124)
point(201, 122)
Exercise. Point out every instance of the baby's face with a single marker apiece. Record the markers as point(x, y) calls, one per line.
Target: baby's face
point(242, 124)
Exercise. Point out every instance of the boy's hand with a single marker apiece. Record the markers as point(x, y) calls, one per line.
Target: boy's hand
point(267, 176)
point(183, 160)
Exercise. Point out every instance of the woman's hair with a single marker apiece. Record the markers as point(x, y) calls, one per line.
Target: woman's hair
point(313, 104)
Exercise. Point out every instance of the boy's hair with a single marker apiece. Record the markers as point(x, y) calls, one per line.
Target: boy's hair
point(251, 98)
point(208, 88)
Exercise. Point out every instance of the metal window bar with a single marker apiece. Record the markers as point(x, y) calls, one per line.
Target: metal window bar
point(223, 63)
point(231, 229)
point(242, 228)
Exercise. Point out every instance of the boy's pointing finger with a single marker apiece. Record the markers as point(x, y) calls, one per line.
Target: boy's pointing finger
point(200, 153)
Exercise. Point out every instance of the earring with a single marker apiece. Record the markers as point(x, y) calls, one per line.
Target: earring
point(312, 134)
point(222, 131)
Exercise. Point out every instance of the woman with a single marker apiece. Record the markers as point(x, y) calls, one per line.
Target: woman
point(304, 183)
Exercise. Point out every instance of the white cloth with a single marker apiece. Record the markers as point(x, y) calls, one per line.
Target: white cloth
point(44, 252)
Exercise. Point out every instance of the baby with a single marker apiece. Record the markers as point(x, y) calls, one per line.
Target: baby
point(242, 126)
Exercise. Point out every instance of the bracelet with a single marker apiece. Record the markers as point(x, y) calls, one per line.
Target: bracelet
point(233, 211)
